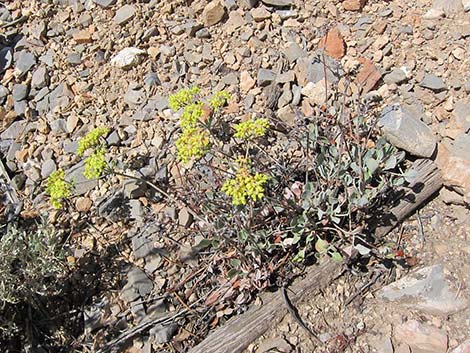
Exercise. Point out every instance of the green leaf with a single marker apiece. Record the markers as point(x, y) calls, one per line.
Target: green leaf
point(336, 257)
point(321, 246)
point(236, 263)
point(300, 256)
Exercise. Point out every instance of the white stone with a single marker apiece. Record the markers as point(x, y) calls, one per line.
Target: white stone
point(127, 57)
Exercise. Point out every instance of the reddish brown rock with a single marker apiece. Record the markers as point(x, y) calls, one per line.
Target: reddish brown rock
point(422, 338)
point(353, 5)
point(368, 76)
point(333, 44)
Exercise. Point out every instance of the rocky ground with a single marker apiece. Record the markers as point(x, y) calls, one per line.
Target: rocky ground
point(70, 65)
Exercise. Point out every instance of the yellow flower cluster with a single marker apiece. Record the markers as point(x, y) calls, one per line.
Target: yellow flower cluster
point(219, 99)
point(245, 186)
point(57, 188)
point(190, 116)
point(91, 139)
point(193, 142)
point(95, 164)
point(182, 98)
point(251, 128)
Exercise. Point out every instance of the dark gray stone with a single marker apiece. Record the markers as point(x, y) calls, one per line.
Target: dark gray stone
point(136, 210)
point(16, 128)
point(74, 58)
point(60, 97)
point(105, 3)
point(402, 129)
point(191, 27)
point(20, 91)
point(156, 103)
point(24, 62)
point(265, 77)
point(20, 107)
point(134, 189)
point(6, 58)
point(58, 126)
point(152, 79)
point(311, 69)
point(278, 3)
point(433, 82)
point(139, 280)
point(3, 94)
point(203, 33)
point(160, 334)
point(113, 139)
point(426, 289)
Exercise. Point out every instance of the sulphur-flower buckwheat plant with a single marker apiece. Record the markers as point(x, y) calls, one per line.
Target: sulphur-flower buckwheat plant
point(251, 129)
point(95, 164)
point(245, 185)
point(58, 188)
point(91, 139)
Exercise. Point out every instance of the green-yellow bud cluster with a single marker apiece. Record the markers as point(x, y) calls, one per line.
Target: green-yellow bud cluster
point(182, 98)
point(91, 139)
point(219, 99)
point(95, 164)
point(190, 116)
point(57, 188)
point(193, 142)
point(251, 128)
point(245, 185)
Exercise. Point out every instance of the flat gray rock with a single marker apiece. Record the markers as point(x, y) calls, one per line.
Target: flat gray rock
point(433, 83)
point(124, 14)
point(81, 184)
point(397, 76)
point(426, 289)
point(265, 77)
point(137, 279)
point(40, 78)
point(20, 91)
point(6, 58)
point(402, 129)
point(24, 62)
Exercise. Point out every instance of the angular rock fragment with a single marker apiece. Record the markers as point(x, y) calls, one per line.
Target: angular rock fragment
point(426, 289)
point(402, 129)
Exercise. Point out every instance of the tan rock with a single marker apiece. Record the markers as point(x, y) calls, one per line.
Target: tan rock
point(83, 204)
point(353, 5)
point(246, 81)
point(213, 13)
point(333, 44)
point(422, 338)
point(83, 36)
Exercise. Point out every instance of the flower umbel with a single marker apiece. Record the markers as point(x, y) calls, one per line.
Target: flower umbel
point(245, 185)
point(57, 188)
point(219, 99)
point(251, 129)
point(95, 164)
point(182, 98)
point(91, 139)
point(191, 115)
point(193, 142)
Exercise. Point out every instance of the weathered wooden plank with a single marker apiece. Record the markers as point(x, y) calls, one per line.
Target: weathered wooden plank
point(407, 200)
point(240, 331)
